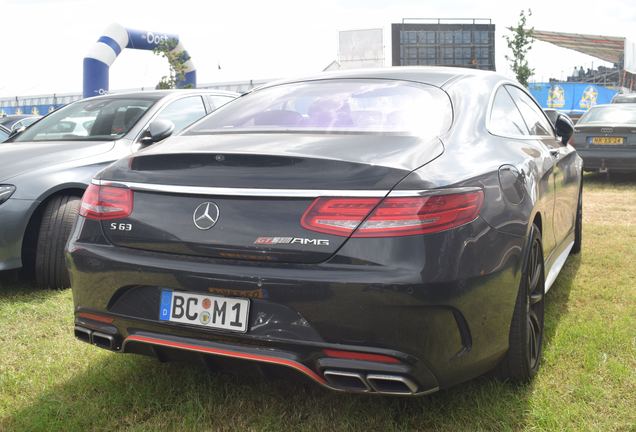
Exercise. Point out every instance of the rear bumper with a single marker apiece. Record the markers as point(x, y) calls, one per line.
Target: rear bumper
point(13, 221)
point(618, 160)
point(441, 330)
point(368, 376)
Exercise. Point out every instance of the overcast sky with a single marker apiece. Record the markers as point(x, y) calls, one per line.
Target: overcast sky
point(44, 41)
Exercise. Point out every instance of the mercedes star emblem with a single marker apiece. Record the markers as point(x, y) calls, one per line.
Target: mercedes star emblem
point(206, 215)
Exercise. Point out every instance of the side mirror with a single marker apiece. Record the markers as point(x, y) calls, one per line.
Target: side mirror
point(564, 128)
point(157, 131)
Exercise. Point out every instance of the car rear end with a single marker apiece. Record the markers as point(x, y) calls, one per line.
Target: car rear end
point(605, 138)
point(322, 253)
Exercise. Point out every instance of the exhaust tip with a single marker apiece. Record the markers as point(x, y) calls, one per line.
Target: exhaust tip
point(82, 334)
point(103, 340)
point(349, 381)
point(392, 384)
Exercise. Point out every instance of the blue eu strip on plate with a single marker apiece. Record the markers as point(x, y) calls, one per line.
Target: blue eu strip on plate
point(166, 303)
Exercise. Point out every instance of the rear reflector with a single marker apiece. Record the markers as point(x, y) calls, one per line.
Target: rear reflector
point(96, 317)
point(393, 216)
point(106, 202)
point(352, 355)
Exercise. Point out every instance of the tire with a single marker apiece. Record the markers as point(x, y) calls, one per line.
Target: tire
point(578, 226)
point(526, 330)
point(55, 228)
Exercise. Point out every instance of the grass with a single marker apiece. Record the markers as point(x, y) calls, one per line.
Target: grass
point(48, 381)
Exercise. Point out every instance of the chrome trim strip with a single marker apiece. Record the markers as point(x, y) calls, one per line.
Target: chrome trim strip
point(253, 192)
point(427, 192)
point(288, 193)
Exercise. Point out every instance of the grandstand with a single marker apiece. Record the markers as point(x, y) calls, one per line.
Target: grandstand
point(618, 51)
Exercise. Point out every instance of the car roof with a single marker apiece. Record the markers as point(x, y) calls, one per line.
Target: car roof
point(161, 94)
point(16, 116)
point(433, 75)
point(615, 105)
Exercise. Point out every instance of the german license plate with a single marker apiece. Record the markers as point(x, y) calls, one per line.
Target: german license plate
point(224, 313)
point(608, 140)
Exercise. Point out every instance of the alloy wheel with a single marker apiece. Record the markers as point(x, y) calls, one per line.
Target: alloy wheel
point(535, 306)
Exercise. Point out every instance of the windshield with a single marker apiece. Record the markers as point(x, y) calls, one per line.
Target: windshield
point(619, 114)
point(333, 106)
point(94, 120)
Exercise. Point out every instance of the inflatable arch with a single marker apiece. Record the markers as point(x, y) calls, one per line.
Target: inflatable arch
point(111, 43)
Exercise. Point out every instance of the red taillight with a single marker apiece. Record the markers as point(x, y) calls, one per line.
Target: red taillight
point(393, 216)
point(106, 202)
point(337, 216)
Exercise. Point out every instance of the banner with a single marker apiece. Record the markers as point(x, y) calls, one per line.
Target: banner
point(571, 97)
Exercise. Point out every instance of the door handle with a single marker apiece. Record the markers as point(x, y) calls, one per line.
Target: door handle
point(555, 153)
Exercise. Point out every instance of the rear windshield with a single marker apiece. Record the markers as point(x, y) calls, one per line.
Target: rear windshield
point(374, 106)
point(618, 114)
point(625, 98)
point(94, 120)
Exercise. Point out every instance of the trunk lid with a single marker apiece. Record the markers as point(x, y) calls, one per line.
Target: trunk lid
point(252, 189)
point(596, 136)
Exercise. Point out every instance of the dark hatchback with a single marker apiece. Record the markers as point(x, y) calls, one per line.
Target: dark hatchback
point(387, 231)
point(605, 137)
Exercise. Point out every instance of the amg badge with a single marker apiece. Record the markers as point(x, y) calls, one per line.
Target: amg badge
point(291, 240)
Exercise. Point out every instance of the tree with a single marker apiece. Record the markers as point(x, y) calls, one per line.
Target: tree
point(520, 42)
point(177, 61)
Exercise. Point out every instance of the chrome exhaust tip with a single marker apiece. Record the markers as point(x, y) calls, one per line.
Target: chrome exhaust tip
point(83, 334)
point(392, 384)
point(349, 381)
point(103, 340)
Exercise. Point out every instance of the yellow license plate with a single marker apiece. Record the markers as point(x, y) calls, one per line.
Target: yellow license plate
point(608, 140)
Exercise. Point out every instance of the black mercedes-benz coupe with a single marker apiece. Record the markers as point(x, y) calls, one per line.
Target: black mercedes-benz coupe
point(390, 231)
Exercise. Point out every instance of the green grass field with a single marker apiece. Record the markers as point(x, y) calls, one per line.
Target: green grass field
point(49, 381)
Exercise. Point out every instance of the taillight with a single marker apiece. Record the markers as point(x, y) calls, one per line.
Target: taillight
point(393, 216)
point(106, 202)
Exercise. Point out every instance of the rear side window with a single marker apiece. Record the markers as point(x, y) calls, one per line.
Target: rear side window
point(535, 119)
point(183, 112)
point(505, 119)
point(218, 101)
point(344, 105)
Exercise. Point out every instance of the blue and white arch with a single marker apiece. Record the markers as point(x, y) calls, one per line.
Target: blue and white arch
point(115, 38)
